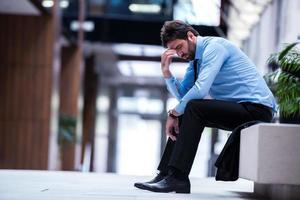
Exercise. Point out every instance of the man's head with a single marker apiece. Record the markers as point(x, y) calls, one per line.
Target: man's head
point(181, 37)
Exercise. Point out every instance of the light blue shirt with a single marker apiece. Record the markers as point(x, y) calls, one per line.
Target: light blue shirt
point(224, 73)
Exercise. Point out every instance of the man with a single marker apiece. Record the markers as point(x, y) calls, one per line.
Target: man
point(219, 69)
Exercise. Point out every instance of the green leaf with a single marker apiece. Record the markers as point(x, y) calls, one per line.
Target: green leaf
point(287, 49)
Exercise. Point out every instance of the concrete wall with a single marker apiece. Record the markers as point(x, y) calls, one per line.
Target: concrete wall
point(279, 24)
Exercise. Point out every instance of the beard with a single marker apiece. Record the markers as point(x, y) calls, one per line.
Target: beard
point(191, 51)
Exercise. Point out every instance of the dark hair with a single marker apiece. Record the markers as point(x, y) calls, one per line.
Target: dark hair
point(173, 30)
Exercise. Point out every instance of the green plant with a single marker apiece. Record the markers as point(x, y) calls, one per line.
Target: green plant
point(285, 81)
point(67, 129)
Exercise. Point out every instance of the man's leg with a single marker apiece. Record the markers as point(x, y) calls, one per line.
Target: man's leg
point(165, 159)
point(198, 115)
point(163, 165)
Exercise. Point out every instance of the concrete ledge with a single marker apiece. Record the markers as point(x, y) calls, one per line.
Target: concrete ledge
point(270, 156)
point(270, 153)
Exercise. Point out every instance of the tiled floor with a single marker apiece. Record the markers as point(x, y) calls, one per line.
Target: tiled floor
point(46, 185)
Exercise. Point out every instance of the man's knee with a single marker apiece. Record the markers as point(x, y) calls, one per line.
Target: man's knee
point(193, 109)
point(197, 106)
point(190, 105)
point(193, 105)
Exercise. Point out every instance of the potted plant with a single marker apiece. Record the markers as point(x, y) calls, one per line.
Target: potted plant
point(285, 82)
point(67, 140)
point(67, 130)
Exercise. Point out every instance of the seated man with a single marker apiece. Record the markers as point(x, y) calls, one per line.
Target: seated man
point(218, 68)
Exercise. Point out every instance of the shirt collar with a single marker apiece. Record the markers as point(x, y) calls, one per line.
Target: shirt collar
point(199, 47)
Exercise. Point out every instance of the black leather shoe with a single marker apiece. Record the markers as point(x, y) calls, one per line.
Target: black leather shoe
point(169, 184)
point(156, 179)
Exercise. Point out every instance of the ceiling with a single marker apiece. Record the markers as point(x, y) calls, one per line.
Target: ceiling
point(20, 7)
point(114, 21)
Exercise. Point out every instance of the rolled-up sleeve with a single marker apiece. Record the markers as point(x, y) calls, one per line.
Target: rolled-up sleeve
point(213, 58)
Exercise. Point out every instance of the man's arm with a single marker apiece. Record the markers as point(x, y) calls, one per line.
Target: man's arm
point(176, 88)
point(166, 59)
point(212, 61)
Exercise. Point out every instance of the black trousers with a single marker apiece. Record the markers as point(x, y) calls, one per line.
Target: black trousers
point(203, 113)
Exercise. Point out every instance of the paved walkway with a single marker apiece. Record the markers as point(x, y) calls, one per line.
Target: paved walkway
point(50, 185)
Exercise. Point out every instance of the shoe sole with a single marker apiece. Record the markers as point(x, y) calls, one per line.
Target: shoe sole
point(181, 191)
point(143, 187)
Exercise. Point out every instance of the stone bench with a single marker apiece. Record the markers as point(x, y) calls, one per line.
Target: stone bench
point(270, 156)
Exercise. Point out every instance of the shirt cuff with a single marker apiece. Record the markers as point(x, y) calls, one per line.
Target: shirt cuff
point(170, 80)
point(180, 107)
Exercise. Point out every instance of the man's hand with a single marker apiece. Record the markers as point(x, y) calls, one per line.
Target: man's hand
point(172, 128)
point(166, 59)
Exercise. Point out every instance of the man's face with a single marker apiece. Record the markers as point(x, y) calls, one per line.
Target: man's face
point(184, 48)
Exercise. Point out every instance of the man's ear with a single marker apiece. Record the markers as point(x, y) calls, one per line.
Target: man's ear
point(190, 36)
